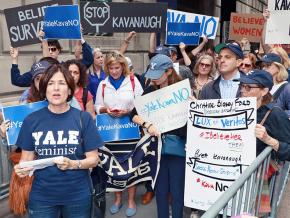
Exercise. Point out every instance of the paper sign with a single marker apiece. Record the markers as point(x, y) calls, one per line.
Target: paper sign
point(16, 115)
point(278, 25)
point(62, 22)
point(248, 26)
point(166, 108)
point(209, 24)
point(188, 33)
point(116, 129)
point(221, 144)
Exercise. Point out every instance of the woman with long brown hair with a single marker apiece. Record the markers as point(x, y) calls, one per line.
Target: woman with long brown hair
point(171, 173)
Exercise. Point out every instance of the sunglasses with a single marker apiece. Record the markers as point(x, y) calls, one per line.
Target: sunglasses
point(248, 87)
point(245, 65)
point(52, 49)
point(113, 54)
point(205, 65)
point(265, 65)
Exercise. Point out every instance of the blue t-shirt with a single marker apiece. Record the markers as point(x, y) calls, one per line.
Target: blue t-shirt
point(50, 135)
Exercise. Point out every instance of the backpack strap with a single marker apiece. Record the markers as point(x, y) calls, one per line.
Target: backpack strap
point(85, 97)
point(103, 89)
point(265, 117)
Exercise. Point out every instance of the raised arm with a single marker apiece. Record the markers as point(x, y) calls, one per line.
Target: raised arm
point(186, 59)
point(126, 42)
point(266, 47)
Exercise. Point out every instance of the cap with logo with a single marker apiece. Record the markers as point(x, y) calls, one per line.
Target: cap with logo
point(234, 47)
point(158, 65)
point(162, 49)
point(260, 77)
point(270, 58)
point(39, 68)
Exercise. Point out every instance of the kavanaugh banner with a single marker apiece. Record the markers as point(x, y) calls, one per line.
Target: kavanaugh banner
point(16, 115)
point(141, 165)
point(25, 22)
point(62, 22)
point(123, 17)
point(188, 33)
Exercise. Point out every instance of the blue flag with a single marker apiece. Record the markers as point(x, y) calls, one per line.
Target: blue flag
point(188, 33)
point(116, 129)
point(62, 22)
point(16, 115)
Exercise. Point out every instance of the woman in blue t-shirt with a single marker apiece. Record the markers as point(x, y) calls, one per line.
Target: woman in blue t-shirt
point(59, 130)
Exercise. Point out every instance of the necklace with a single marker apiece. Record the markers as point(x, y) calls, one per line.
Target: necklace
point(200, 84)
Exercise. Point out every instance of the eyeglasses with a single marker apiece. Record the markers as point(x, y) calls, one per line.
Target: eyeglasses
point(52, 49)
point(205, 65)
point(246, 65)
point(248, 87)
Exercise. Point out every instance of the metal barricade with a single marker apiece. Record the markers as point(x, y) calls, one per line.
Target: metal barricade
point(244, 195)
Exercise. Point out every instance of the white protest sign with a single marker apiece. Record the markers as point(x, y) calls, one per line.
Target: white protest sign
point(166, 108)
point(221, 144)
point(278, 25)
point(209, 24)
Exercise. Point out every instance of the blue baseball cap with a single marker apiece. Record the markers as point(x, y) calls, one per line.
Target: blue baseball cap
point(270, 58)
point(234, 47)
point(158, 65)
point(39, 68)
point(260, 77)
point(162, 49)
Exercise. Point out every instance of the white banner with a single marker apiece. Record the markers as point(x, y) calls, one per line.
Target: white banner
point(278, 25)
point(209, 24)
point(166, 108)
point(220, 145)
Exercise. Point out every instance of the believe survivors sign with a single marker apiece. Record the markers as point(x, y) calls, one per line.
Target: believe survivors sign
point(24, 22)
point(123, 17)
point(166, 108)
point(278, 25)
point(221, 144)
point(248, 26)
point(16, 115)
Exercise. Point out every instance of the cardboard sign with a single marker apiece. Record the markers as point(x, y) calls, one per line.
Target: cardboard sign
point(116, 129)
point(188, 33)
point(123, 17)
point(25, 22)
point(221, 144)
point(248, 26)
point(166, 108)
point(209, 24)
point(16, 115)
point(278, 25)
point(62, 22)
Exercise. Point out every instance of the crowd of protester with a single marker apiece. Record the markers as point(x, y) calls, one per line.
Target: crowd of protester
point(98, 83)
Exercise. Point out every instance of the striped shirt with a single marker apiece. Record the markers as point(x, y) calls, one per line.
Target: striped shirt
point(229, 88)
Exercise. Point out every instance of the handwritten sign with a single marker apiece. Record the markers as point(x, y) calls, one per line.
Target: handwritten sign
point(209, 24)
point(278, 25)
point(166, 108)
point(116, 129)
point(62, 22)
point(25, 22)
point(220, 145)
point(248, 26)
point(16, 115)
point(188, 33)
